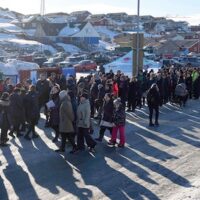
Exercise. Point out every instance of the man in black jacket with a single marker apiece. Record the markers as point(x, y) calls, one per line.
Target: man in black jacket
point(16, 112)
point(153, 100)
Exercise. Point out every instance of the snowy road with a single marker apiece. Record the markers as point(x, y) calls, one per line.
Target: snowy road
point(157, 163)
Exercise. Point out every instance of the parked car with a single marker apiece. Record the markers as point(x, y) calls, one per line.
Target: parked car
point(72, 60)
point(85, 65)
point(52, 62)
point(190, 61)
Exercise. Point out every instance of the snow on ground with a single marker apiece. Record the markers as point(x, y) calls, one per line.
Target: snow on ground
point(30, 32)
point(4, 36)
point(10, 27)
point(6, 14)
point(69, 48)
point(21, 65)
point(67, 31)
point(106, 45)
point(5, 20)
point(31, 44)
point(104, 31)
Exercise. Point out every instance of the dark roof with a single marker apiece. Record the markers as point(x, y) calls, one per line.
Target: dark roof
point(52, 29)
point(186, 43)
point(58, 13)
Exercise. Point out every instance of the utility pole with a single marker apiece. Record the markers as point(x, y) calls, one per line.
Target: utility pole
point(137, 45)
point(42, 8)
point(138, 37)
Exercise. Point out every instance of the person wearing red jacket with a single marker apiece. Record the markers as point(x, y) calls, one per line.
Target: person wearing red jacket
point(115, 89)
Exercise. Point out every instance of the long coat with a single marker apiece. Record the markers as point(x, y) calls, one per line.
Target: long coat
point(54, 112)
point(5, 114)
point(66, 116)
point(83, 114)
point(16, 109)
point(108, 108)
point(153, 98)
point(32, 107)
point(43, 89)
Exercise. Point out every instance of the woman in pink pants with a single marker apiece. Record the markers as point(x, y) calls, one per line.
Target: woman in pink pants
point(119, 119)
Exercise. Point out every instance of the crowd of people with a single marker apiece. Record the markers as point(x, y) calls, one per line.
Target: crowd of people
point(71, 105)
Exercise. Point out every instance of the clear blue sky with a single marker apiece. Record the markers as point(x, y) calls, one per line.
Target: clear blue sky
point(189, 9)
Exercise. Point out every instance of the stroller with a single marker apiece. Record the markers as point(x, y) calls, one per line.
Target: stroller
point(180, 95)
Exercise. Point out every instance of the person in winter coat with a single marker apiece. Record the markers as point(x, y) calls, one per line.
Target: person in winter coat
point(93, 96)
point(43, 89)
point(153, 101)
point(107, 116)
point(66, 119)
point(54, 111)
point(119, 119)
point(132, 95)
point(32, 112)
point(5, 118)
point(83, 124)
point(123, 89)
point(115, 89)
point(16, 112)
point(188, 82)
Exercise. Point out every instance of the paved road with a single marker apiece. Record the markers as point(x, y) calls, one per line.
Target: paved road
point(157, 163)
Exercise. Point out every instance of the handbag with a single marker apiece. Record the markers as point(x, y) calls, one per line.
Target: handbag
point(106, 124)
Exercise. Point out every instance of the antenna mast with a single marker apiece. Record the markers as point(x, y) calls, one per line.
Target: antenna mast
point(42, 8)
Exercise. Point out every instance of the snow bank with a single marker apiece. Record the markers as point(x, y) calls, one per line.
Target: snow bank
point(8, 70)
point(106, 45)
point(69, 48)
point(4, 37)
point(32, 44)
point(21, 65)
point(104, 31)
point(10, 27)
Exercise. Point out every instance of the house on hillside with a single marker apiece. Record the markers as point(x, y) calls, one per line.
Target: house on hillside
point(88, 36)
point(121, 16)
point(48, 31)
point(149, 25)
point(82, 36)
point(192, 45)
point(94, 18)
point(31, 22)
point(195, 28)
point(102, 22)
point(170, 48)
point(58, 17)
point(80, 16)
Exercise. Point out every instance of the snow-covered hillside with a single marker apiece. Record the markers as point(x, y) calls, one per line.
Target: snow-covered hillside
point(105, 32)
point(69, 48)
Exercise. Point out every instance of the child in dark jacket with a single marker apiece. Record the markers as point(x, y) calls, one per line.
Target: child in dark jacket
point(119, 119)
